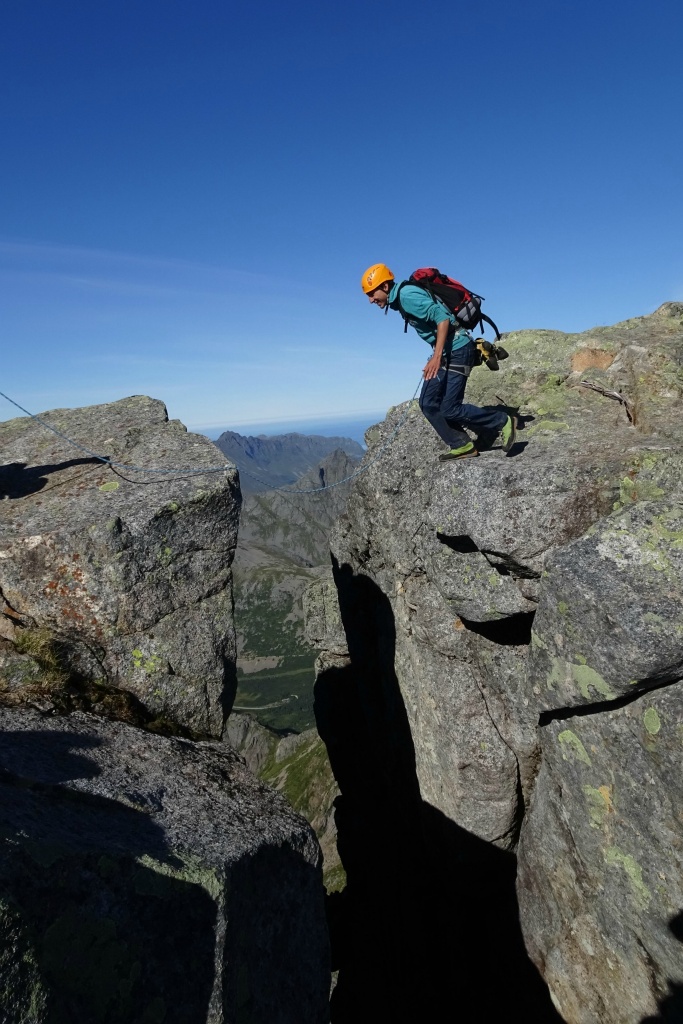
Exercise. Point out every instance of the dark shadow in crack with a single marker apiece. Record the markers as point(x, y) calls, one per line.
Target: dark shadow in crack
point(427, 928)
point(511, 631)
point(671, 1006)
point(463, 544)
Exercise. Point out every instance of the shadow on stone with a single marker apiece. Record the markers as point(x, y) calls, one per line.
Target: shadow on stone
point(517, 449)
point(462, 543)
point(99, 921)
point(510, 631)
point(229, 691)
point(427, 927)
point(671, 1007)
point(18, 480)
point(30, 758)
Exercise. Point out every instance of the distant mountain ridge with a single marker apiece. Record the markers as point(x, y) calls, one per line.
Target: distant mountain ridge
point(268, 462)
point(294, 524)
point(283, 538)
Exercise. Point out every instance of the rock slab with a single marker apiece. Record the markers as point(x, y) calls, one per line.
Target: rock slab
point(520, 618)
point(146, 879)
point(124, 576)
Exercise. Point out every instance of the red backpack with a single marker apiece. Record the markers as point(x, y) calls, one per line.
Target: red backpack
point(466, 305)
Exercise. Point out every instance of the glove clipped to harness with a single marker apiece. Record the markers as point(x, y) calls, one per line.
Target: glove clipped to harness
point(490, 354)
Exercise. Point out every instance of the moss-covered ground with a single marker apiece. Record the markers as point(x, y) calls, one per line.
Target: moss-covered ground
point(305, 778)
point(40, 674)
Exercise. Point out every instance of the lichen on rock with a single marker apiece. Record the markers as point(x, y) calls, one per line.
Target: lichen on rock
point(146, 878)
point(515, 647)
point(125, 575)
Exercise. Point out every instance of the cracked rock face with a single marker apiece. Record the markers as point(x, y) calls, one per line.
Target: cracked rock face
point(609, 615)
point(530, 603)
point(601, 859)
point(122, 577)
point(145, 878)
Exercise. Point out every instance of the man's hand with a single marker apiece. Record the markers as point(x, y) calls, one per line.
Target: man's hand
point(432, 368)
point(434, 365)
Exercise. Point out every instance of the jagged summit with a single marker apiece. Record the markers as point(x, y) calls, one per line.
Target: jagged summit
point(142, 877)
point(267, 462)
point(124, 575)
point(516, 655)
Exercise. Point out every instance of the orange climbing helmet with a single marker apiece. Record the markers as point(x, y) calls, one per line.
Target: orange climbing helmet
point(374, 276)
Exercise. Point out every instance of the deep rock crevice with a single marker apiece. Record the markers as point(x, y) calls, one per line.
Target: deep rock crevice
point(577, 721)
point(640, 691)
point(514, 630)
point(410, 940)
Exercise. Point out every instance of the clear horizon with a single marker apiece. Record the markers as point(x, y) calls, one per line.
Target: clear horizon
point(190, 195)
point(352, 427)
point(267, 424)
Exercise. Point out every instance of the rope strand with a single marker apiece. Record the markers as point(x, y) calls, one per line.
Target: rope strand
point(358, 472)
point(192, 471)
point(189, 471)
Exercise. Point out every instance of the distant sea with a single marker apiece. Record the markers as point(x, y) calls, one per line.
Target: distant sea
point(353, 427)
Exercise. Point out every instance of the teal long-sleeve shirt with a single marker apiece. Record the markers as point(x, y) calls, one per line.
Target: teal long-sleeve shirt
point(425, 314)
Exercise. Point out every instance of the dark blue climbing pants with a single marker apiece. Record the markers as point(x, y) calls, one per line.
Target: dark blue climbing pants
point(441, 401)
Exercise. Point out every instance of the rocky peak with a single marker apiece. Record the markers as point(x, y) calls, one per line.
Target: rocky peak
point(118, 577)
point(515, 650)
point(142, 877)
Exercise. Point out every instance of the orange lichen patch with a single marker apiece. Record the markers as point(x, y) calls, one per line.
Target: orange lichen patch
point(69, 612)
point(606, 794)
point(591, 359)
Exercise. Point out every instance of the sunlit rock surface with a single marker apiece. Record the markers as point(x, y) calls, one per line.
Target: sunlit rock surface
point(119, 577)
point(601, 860)
point(515, 650)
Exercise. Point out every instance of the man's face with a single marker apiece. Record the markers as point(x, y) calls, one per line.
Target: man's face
point(380, 296)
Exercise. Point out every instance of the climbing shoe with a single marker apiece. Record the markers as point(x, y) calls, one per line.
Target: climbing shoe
point(509, 432)
point(488, 354)
point(466, 451)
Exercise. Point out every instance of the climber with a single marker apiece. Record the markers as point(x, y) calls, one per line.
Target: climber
point(446, 372)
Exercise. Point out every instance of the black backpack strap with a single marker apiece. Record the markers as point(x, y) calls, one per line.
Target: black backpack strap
point(489, 321)
point(396, 304)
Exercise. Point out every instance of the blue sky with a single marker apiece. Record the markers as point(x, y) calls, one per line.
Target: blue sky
point(190, 192)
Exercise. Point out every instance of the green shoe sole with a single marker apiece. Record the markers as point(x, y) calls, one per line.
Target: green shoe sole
point(468, 451)
point(509, 433)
